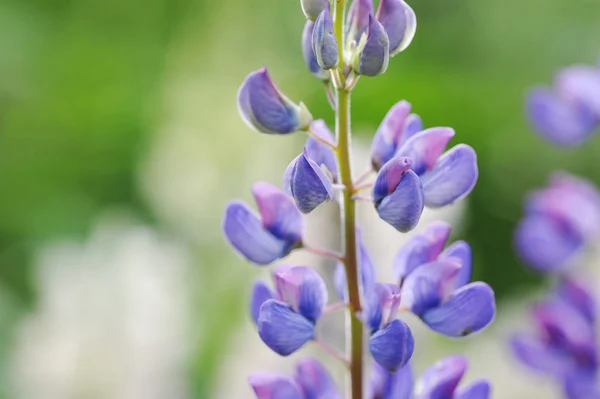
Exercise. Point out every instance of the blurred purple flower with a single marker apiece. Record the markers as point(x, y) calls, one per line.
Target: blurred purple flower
point(570, 112)
point(322, 154)
point(312, 8)
point(365, 267)
point(266, 109)
point(309, 54)
point(559, 221)
point(440, 381)
point(311, 381)
point(286, 318)
point(272, 234)
point(400, 23)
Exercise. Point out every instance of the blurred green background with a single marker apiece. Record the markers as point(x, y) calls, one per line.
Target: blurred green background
point(93, 92)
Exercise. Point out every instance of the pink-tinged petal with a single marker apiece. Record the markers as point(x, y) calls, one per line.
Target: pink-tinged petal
point(302, 288)
point(578, 296)
point(546, 244)
point(389, 134)
point(424, 148)
point(282, 329)
point(309, 55)
point(392, 346)
point(540, 356)
point(322, 154)
point(389, 177)
point(315, 381)
point(429, 285)
point(469, 309)
point(372, 54)
point(246, 233)
point(403, 208)
point(272, 386)
point(559, 120)
point(266, 109)
point(391, 385)
point(460, 250)
point(440, 380)
point(480, 389)
point(388, 301)
point(309, 184)
point(279, 212)
point(260, 294)
point(312, 8)
point(452, 178)
point(421, 248)
point(400, 23)
point(581, 85)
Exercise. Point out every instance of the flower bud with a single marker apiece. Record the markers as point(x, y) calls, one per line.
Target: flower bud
point(266, 109)
point(312, 8)
point(324, 43)
point(309, 54)
point(308, 183)
point(358, 20)
point(372, 54)
point(400, 23)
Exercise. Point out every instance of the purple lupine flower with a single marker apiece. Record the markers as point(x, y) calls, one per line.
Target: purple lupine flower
point(372, 54)
point(564, 345)
point(322, 154)
point(270, 236)
point(560, 220)
point(435, 284)
point(312, 8)
point(287, 317)
point(266, 109)
point(311, 381)
point(308, 183)
point(324, 43)
point(391, 343)
point(357, 21)
point(440, 381)
point(398, 126)
point(570, 112)
point(400, 23)
point(365, 267)
point(398, 194)
point(309, 54)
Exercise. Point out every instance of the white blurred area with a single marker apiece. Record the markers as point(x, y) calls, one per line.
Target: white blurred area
point(112, 320)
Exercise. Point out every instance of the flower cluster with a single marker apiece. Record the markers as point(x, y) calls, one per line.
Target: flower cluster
point(340, 44)
point(568, 113)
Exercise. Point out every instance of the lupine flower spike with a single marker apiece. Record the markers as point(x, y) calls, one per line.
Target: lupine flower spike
point(413, 171)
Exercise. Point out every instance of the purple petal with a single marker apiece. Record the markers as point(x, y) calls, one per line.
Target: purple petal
point(324, 41)
point(271, 386)
point(388, 301)
point(358, 19)
point(429, 285)
point(245, 232)
point(282, 329)
point(581, 85)
point(546, 244)
point(426, 147)
point(279, 212)
point(582, 385)
point(478, 390)
point(372, 54)
point(320, 153)
point(413, 125)
point(312, 8)
point(389, 177)
point(452, 178)
point(315, 381)
point(469, 309)
point(266, 109)
point(302, 288)
point(393, 345)
point(309, 55)
point(558, 120)
point(403, 208)
point(460, 250)
point(309, 184)
point(260, 294)
point(540, 356)
point(578, 296)
point(421, 248)
point(400, 23)
point(387, 385)
point(389, 134)
point(440, 380)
